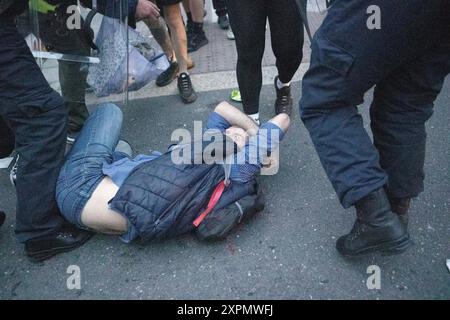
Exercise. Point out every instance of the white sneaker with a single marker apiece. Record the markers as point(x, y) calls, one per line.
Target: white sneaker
point(5, 162)
point(230, 35)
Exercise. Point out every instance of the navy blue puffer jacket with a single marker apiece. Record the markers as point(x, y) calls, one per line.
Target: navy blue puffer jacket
point(161, 199)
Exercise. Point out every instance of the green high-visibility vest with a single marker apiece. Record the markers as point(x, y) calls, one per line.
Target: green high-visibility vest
point(41, 6)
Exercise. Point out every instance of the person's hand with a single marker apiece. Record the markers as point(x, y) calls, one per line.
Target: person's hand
point(146, 9)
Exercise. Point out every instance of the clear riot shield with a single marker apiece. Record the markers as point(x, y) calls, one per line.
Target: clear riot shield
point(65, 46)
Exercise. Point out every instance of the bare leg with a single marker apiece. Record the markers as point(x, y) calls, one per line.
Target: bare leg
point(187, 6)
point(196, 8)
point(174, 20)
point(159, 30)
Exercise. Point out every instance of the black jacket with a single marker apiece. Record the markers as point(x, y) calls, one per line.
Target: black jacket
point(12, 8)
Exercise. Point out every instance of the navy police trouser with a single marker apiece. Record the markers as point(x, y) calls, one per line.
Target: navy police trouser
point(406, 60)
point(33, 114)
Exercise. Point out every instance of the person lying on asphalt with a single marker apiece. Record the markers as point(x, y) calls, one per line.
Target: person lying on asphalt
point(151, 197)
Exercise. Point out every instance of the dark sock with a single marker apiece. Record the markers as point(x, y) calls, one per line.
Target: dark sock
point(197, 27)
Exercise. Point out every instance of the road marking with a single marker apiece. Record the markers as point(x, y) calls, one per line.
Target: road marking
point(203, 82)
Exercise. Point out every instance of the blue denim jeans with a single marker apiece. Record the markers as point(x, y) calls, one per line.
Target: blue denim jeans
point(82, 171)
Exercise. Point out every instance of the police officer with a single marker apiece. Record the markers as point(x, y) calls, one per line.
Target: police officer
point(403, 49)
point(34, 117)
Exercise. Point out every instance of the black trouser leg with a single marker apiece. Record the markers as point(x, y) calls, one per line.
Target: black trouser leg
point(286, 28)
point(220, 6)
point(6, 139)
point(37, 116)
point(347, 60)
point(402, 103)
point(248, 21)
point(72, 77)
point(73, 87)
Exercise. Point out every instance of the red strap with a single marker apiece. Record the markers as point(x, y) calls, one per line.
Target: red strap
point(217, 193)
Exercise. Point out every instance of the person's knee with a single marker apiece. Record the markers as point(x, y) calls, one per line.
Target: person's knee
point(393, 104)
point(112, 112)
point(250, 54)
point(396, 121)
point(173, 17)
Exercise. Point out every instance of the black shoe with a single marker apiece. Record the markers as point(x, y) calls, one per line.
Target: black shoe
point(2, 218)
point(400, 206)
point(65, 240)
point(168, 75)
point(196, 41)
point(185, 88)
point(284, 101)
point(223, 22)
point(376, 228)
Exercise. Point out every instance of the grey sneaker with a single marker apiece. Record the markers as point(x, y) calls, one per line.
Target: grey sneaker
point(223, 22)
point(187, 92)
point(124, 147)
point(230, 35)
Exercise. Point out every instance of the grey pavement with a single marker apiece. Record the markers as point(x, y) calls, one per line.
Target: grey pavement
point(285, 252)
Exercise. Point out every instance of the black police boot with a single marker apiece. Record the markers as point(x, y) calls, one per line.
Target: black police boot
point(376, 228)
point(400, 206)
point(65, 240)
point(284, 102)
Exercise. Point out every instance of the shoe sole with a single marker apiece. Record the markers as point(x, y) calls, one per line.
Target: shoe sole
point(163, 84)
point(387, 248)
point(191, 99)
point(166, 83)
point(47, 254)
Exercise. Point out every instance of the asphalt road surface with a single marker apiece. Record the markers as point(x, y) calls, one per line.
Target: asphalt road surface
point(286, 252)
